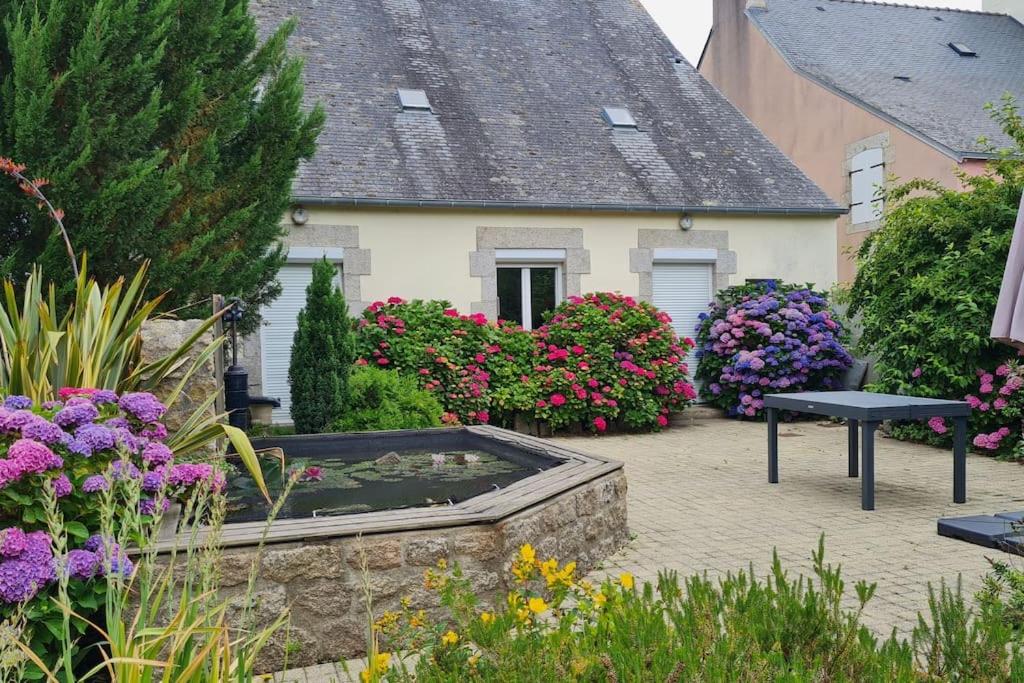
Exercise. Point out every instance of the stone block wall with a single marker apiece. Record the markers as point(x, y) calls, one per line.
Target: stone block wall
point(322, 581)
point(162, 337)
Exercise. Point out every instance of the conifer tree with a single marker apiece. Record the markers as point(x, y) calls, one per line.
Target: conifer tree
point(322, 354)
point(169, 132)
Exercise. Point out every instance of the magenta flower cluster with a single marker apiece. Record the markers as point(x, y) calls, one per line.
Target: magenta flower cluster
point(997, 409)
point(773, 341)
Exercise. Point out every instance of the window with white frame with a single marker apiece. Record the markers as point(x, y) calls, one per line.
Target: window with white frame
point(530, 283)
point(867, 175)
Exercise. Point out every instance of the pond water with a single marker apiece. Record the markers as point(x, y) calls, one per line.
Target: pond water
point(397, 479)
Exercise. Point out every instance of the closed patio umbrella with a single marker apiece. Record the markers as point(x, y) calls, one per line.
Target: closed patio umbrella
point(1008, 322)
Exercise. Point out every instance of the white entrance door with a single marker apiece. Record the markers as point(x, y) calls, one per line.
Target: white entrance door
point(280, 320)
point(683, 290)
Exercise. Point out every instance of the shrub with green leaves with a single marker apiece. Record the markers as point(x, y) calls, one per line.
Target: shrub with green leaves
point(322, 354)
point(928, 281)
point(380, 400)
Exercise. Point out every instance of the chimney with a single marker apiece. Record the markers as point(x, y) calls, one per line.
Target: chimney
point(1015, 8)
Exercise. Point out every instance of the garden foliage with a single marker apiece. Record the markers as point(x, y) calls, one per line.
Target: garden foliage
point(322, 354)
point(380, 400)
point(601, 360)
point(556, 626)
point(928, 281)
point(60, 458)
point(169, 133)
point(765, 338)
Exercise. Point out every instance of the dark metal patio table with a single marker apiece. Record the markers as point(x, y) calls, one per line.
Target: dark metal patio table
point(867, 411)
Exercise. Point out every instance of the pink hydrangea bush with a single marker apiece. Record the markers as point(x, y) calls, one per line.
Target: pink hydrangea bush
point(606, 359)
point(997, 406)
point(462, 359)
point(602, 360)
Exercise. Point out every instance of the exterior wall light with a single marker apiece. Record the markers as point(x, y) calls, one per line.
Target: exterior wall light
point(299, 215)
point(686, 222)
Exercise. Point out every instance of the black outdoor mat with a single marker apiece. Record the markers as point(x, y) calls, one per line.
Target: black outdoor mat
point(1002, 531)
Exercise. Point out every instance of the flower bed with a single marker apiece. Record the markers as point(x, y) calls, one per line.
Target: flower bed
point(602, 360)
point(61, 464)
point(764, 338)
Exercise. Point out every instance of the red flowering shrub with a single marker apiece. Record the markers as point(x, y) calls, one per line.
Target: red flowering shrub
point(602, 360)
point(606, 359)
point(460, 358)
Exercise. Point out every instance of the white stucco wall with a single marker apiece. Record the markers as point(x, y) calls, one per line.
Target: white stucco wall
point(426, 253)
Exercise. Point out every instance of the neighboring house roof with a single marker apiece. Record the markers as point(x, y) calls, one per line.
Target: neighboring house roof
point(518, 89)
point(861, 49)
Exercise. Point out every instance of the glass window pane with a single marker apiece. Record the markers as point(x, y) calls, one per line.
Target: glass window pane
point(542, 293)
point(510, 294)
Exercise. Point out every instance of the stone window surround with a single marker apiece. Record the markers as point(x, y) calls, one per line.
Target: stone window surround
point(643, 258)
point(879, 141)
point(483, 263)
point(355, 261)
point(355, 265)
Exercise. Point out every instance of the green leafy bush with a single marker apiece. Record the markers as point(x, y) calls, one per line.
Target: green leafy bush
point(380, 400)
point(928, 281)
point(555, 626)
point(766, 338)
point(322, 354)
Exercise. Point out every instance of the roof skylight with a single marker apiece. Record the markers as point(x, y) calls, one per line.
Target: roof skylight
point(414, 100)
point(619, 117)
point(963, 50)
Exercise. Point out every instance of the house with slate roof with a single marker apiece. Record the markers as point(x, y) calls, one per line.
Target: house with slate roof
point(505, 154)
point(858, 93)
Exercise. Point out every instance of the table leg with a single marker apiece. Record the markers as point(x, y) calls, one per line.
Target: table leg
point(960, 460)
point(867, 481)
point(773, 445)
point(853, 425)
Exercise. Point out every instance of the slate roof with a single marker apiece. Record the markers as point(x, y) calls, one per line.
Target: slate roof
point(518, 88)
point(857, 49)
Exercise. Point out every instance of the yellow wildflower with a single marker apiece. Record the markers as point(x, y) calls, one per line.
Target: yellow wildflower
point(473, 660)
point(549, 566)
point(626, 579)
point(442, 563)
point(378, 665)
point(406, 601)
point(523, 614)
point(600, 599)
point(528, 554)
point(387, 621)
point(538, 606)
point(418, 620)
point(487, 618)
point(450, 638)
point(513, 600)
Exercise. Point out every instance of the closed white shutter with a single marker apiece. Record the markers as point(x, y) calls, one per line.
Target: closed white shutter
point(280, 320)
point(683, 290)
point(867, 176)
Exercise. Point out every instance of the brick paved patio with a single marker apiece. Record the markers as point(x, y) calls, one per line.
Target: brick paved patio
point(699, 500)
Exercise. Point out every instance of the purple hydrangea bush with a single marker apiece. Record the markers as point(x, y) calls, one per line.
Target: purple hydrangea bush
point(76, 450)
point(764, 339)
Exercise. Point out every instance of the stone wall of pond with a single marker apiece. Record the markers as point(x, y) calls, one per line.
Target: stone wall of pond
point(321, 581)
point(162, 337)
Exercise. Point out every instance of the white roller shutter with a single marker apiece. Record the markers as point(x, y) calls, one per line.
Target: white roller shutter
point(280, 320)
point(683, 290)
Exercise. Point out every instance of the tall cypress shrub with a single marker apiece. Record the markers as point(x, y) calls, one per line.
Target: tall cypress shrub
point(322, 354)
point(169, 132)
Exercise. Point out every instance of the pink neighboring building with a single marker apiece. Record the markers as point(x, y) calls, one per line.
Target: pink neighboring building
point(858, 93)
